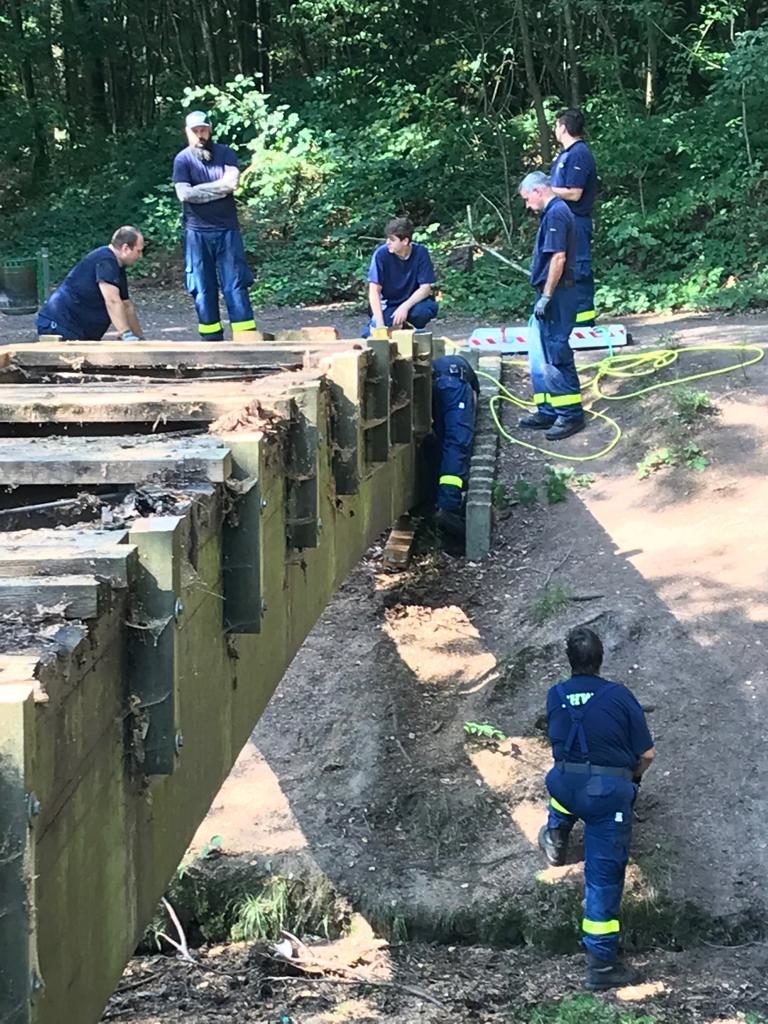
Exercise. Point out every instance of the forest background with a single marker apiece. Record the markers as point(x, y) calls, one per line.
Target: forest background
point(345, 112)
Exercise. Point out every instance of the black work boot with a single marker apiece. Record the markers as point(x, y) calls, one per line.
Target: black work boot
point(554, 843)
point(451, 523)
point(604, 974)
point(536, 421)
point(564, 428)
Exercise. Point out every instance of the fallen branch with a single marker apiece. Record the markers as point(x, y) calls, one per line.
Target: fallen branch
point(411, 990)
point(181, 946)
point(491, 251)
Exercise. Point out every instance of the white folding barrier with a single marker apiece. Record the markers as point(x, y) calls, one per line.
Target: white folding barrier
point(512, 340)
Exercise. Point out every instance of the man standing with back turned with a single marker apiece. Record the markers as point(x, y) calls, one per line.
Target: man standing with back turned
point(602, 746)
point(574, 179)
point(206, 175)
point(555, 382)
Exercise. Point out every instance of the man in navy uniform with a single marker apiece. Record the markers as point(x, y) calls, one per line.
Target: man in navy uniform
point(574, 179)
point(401, 280)
point(601, 745)
point(555, 382)
point(454, 393)
point(95, 293)
point(205, 175)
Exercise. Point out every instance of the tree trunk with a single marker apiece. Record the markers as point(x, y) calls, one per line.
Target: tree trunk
point(533, 85)
point(573, 64)
point(40, 156)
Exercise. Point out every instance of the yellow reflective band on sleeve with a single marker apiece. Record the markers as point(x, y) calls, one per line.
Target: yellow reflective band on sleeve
point(559, 807)
point(209, 328)
point(244, 325)
point(600, 927)
point(539, 398)
point(587, 314)
point(451, 481)
point(558, 401)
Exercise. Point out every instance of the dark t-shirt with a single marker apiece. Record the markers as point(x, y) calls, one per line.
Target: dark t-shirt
point(77, 307)
point(575, 168)
point(188, 167)
point(557, 233)
point(616, 730)
point(399, 278)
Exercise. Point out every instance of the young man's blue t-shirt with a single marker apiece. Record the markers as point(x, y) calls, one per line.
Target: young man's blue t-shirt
point(76, 309)
point(191, 169)
point(616, 730)
point(575, 168)
point(400, 278)
point(556, 233)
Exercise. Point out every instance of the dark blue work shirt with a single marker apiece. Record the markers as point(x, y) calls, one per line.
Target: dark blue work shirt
point(77, 305)
point(556, 233)
point(190, 168)
point(616, 730)
point(400, 278)
point(575, 168)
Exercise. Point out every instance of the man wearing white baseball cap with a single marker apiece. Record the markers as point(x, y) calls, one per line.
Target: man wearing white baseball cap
point(205, 175)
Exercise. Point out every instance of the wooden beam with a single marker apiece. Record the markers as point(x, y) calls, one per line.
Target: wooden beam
point(397, 550)
point(116, 562)
point(110, 460)
point(73, 597)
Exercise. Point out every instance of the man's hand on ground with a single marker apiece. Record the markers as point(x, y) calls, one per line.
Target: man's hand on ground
point(400, 315)
point(129, 336)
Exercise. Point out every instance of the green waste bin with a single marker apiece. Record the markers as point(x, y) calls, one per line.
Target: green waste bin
point(24, 284)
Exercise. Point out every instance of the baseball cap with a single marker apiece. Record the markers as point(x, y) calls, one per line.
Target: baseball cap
point(197, 119)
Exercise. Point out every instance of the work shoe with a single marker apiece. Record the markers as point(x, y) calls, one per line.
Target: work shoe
point(564, 428)
point(451, 522)
point(604, 974)
point(554, 843)
point(536, 421)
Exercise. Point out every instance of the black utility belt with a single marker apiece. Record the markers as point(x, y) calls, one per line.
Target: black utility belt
point(575, 768)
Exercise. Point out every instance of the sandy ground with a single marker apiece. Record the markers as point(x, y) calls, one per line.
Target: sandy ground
point(361, 768)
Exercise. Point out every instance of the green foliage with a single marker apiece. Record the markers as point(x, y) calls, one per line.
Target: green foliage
point(483, 730)
point(583, 1009)
point(265, 914)
point(499, 495)
point(526, 493)
point(550, 601)
point(556, 480)
point(690, 404)
point(689, 455)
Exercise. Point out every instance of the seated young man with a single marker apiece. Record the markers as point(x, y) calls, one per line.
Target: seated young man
point(400, 281)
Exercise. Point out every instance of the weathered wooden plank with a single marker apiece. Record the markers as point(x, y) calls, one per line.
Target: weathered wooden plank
point(109, 460)
point(397, 550)
point(75, 597)
point(72, 538)
point(116, 562)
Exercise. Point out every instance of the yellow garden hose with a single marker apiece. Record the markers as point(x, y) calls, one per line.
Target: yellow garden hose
point(623, 366)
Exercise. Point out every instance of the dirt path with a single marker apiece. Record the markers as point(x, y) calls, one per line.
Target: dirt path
point(361, 772)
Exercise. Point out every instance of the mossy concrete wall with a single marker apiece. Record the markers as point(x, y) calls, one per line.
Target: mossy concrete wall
point(107, 839)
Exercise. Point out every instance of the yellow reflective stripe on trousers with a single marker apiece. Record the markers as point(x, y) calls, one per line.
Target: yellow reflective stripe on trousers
point(539, 398)
point(451, 481)
point(558, 401)
point(244, 325)
point(209, 328)
point(587, 314)
point(559, 807)
point(600, 927)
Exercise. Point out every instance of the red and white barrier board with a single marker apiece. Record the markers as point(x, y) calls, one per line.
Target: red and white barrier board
point(512, 340)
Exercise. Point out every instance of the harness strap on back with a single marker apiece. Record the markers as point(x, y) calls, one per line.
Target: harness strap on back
point(576, 715)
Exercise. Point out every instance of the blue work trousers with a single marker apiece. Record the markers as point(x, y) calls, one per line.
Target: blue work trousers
point(555, 382)
point(418, 316)
point(584, 282)
point(453, 414)
point(604, 803)
point(213, 259)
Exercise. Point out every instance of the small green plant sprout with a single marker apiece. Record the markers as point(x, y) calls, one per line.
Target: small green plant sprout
point(212, 848)
point(583, 480)
point(690, 404)
point(483, 731)
point(549, 602)
point(499, 495)
point(657, 458)
point(695, 458)
point(556, 483)
point(526, 493)
point(263, 915)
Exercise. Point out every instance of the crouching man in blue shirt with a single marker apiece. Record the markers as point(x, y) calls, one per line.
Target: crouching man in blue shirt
point(400, 281)
point(95, 293)
point(602, 746)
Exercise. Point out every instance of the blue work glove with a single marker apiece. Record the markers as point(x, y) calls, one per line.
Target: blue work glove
point(540, 309)
point(129, 336)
